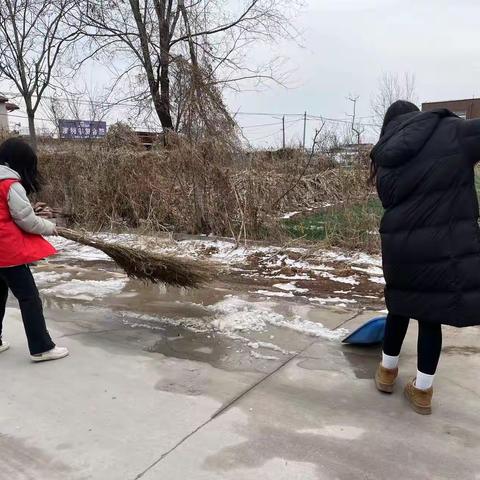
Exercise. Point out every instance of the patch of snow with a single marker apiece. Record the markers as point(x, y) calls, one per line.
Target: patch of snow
point(87, 290)
point(336, 256)
point(268, 293)
point(234, 314)
point(370, 270)
point(289, 215)
point(291, 277)
point(259, 356)
point(349, 280)
point(324, 301)
point(139, 320)
point(307, 327)
point(365, 259)
point(269, 346)
point(379, 280)
point(42, 278)
point(71, 250)
point(290, 287)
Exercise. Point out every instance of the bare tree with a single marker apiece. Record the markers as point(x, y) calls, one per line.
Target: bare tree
point(392, 87)
point(33, 37)
point(201, 42)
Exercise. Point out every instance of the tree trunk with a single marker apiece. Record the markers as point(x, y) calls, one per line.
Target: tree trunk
point(164, 106)
point(31, 127)
point(159, 88)
point(162, 100)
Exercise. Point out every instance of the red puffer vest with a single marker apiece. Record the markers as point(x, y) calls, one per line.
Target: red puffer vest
point(16, 246)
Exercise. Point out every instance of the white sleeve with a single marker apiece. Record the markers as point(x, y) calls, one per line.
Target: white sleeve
point(23, 214)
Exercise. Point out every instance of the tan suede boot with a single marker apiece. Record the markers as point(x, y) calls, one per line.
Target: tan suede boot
point(420, 400)
point(385, 379)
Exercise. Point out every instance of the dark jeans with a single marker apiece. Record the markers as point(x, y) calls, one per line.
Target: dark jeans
point(429, 344)
point(21, 283)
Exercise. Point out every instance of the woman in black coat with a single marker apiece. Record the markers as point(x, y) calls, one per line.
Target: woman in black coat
point(423, 166)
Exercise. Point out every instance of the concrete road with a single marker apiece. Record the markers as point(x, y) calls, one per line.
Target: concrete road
point(116, 409)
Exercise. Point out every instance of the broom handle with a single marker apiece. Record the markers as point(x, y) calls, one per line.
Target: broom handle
point(77, 237)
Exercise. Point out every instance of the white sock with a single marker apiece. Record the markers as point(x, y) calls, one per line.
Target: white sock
point(390, 362)
point(424, 381)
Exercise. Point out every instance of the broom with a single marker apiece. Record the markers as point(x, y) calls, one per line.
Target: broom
point(146, 266)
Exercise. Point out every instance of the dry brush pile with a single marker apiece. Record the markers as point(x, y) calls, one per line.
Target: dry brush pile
point(209, 187)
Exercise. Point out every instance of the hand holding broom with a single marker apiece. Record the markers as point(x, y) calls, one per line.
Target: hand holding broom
point(147, 266)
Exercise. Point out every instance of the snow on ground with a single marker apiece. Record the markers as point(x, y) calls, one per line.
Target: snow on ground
point(235, 317)
point(291, 271)
point(284, 265)
point(223, 251)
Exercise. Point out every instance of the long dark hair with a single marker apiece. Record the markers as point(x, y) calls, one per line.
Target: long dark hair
point(400, 107)
point(18, 155)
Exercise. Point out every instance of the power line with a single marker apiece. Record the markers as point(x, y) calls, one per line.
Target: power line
point(263, 114)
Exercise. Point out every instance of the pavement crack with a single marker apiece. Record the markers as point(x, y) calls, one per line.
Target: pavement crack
point(360, 312)
point(224, 408)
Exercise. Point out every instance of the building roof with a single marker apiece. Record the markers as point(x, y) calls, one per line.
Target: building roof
point(8, 105)
point(11, 107)
point(452, 101)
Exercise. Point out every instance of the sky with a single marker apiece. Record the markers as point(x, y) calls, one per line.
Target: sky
point(345, 47)
point(348, 45)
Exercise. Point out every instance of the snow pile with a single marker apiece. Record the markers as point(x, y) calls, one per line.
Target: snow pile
point(236, 315)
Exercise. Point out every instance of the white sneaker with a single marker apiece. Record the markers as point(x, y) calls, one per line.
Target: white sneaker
point(54, 354)
point(4, 346)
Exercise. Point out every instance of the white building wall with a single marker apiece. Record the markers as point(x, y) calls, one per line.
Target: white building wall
point(3, 116)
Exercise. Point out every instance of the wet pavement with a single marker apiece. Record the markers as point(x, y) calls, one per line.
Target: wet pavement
point(220, 383)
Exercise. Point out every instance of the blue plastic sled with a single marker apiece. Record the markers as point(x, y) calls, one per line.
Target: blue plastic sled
point(370, 333)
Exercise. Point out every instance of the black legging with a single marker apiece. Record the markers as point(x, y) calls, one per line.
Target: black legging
point(429, 344)
point(21, 283)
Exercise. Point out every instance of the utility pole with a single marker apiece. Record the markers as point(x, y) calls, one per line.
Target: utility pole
point(283, 128)
point(304, 129)
point(356, 128)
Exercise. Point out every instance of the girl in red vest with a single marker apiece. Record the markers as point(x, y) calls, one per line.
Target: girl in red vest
point(21, 243)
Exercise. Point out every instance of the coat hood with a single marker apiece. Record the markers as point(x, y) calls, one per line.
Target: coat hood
point(6, 173)
point(406, 136)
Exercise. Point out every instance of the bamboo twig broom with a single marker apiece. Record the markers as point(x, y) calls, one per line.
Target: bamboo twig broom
point(146, 266)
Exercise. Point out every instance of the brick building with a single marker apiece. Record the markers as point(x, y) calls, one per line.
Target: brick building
point(468, 109)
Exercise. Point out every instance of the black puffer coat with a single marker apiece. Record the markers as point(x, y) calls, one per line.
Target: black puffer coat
point(430, 234)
